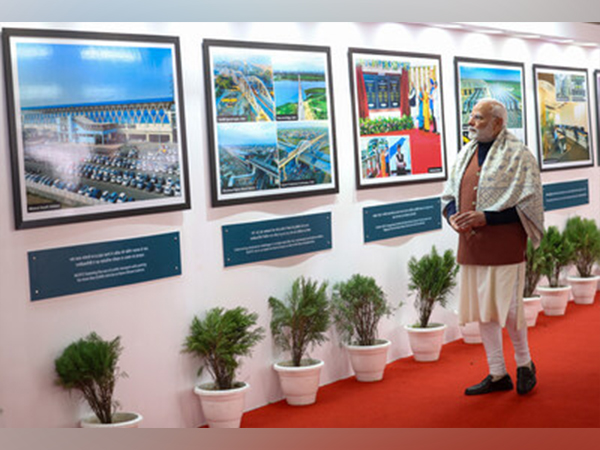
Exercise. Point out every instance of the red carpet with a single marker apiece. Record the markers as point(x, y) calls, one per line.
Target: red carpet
point(566, 351)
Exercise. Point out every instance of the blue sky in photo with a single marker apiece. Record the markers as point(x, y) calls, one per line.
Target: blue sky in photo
point(247, 133)
point(490, 74)
point(67, 74)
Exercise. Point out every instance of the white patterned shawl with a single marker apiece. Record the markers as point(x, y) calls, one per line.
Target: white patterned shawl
point(509, 177)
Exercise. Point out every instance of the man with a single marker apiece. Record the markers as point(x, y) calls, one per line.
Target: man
point(493, 199)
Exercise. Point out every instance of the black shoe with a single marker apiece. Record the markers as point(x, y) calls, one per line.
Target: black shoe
point(487, 386)
point(526, 379)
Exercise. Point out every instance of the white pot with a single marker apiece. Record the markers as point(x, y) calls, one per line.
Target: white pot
point(584, 289)
point(222, 408)
point(554, 300)
point(532, 307)
point(470, 333)
point(120, 420)
point(299, 384)
point(426, 343)
point(368, 361)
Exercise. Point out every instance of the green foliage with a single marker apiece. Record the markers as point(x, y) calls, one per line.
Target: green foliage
point(302, 319)
point(584, 236)
point(89, 365)
point(358, 306)
point(557, 253)
point(220, 339)
point(432, 278)
point(532, 269)
point(379, 126)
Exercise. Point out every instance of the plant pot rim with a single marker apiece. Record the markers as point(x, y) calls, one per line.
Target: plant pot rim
point(129, 418)
point(533, 298)
point(381, 343)
point(280, 367)
point(550, 289)
point(202, 389)
point(591, 278)
point(432, 327)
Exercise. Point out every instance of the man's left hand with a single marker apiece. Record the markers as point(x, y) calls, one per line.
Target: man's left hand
point(470, 219)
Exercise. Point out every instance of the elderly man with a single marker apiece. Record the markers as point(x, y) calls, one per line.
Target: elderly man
point(493, 199)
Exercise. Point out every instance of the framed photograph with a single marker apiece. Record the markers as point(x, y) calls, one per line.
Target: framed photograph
point(501, 80)
point(270, 121)
point(563, 118)
point(96, 125)
point(398, 118)
point(597, 85)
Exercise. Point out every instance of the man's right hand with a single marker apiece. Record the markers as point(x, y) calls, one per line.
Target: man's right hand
point(455, 227)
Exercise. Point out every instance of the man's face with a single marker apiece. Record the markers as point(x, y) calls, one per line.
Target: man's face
point(483, 126)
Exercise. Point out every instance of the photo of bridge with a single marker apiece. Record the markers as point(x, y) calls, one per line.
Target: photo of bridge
point(243, 86)
point(503, 83)
point(304, 154)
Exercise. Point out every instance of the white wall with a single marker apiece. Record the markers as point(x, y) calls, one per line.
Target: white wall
point(153, 317)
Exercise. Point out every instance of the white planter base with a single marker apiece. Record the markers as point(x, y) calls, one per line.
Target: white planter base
point(222, 409)
point(299, 384)
point(584, 289)
point(368, 361)
point(470, 333)
point(532, 307)
point(426, 343)
point(120, 420)
point(554, 300)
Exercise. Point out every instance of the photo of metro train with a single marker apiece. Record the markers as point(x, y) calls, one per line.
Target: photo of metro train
point(501, 80)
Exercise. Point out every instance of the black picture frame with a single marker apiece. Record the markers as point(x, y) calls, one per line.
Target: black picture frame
point(87, 111)
point(256, 149)
point(395, 74)
point(507, 98)
point(597, 90)
point(570, 138)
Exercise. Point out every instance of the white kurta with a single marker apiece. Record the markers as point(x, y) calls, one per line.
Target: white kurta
point(487, 291)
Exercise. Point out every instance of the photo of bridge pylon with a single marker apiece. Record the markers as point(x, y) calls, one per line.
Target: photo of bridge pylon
point(304, 154)
point(243, 85)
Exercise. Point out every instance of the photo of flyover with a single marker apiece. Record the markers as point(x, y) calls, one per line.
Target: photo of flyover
point(243, 86)
point(563, 119)
point(247, 157)
point(99, 125)
point(304, 154)
point(503, 83)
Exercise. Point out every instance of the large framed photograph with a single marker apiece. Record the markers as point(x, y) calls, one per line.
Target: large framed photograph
point(563, 117)
point(597, 86)
point(398, 118)
point(97, 126)
point(270, 120)
point(501, 80)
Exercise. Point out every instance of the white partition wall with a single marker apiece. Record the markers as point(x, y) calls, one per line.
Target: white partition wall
point(153, 317)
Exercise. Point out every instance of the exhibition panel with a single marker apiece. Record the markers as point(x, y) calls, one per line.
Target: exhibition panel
point(398, 117)
point(563, 117)
point(97, 127)
point(271, 121)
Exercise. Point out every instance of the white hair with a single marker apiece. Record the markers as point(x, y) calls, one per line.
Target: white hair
point(497, 109)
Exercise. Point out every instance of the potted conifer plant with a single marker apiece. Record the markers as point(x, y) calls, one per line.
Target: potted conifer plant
point(584, 236)
point(432, 277)
point(220, 340)
point(532, 303)
point(90, 366)
point(358, 305)
point(556, 254)
point(298, 323)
